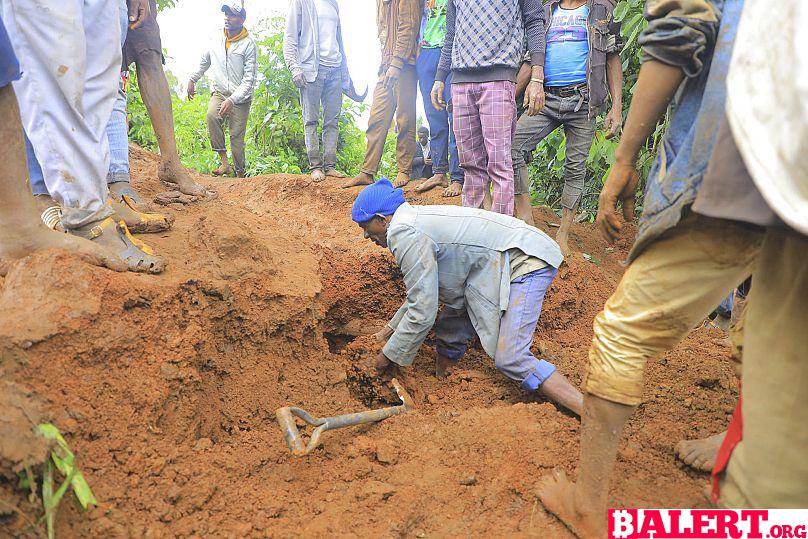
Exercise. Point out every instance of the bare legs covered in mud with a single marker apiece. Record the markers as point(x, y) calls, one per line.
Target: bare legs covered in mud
point(157, 98)
point(21, 230)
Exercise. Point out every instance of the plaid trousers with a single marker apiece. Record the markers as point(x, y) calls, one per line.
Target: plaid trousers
point(484, 126)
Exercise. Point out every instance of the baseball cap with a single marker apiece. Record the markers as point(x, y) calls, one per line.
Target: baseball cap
point(236, 6)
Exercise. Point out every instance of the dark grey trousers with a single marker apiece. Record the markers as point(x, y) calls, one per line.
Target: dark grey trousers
point(579, 130)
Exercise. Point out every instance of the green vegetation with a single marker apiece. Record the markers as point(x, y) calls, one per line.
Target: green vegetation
point(62, 460)
point(275, 130)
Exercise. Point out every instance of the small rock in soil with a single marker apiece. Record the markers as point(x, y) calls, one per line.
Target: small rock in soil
point(378, 489)
point(203, 444)
point(386, 453)
point(432, 399)
point(468, 481)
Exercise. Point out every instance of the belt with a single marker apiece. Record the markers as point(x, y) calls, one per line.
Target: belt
point(566, 91)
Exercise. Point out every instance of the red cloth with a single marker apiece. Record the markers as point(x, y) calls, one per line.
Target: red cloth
point(732, 439)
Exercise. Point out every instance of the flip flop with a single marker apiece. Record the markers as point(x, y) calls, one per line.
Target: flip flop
point(119, 190)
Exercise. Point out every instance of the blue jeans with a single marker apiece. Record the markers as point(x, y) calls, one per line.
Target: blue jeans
point(513, 358)
point(117, 134)
point(441, 137)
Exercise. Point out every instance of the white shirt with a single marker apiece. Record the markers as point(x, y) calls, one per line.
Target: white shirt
point(327, 23)
point(767, 104)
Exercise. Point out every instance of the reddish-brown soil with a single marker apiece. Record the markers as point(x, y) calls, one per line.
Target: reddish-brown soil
point(166, 386)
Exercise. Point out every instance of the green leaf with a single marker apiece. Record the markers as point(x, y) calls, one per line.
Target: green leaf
point(621, 10)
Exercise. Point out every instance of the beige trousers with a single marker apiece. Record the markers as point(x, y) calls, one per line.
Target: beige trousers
point(237, 120)
point(669, 289)
point(386, 103)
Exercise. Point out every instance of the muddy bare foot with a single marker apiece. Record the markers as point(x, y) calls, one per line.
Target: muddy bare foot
point(442, 366)
point(455, 189)
point(317, 175)
point(402, 179)
point(563, 244)
point(21, 242)
point(438, 180)
point(557, 493)
point(700, 454)
point(178, 178)
point(334, 173)
point(362, 178)
point(223, 170)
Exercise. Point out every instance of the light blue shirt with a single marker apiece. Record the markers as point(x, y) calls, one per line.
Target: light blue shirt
point(456, 256)
point(567, 50)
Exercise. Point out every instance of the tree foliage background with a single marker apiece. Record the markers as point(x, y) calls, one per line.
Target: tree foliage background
point(275, 129)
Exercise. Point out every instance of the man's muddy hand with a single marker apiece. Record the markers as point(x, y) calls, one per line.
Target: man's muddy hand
point(620, 187)
point(612, 123)
point(436, 95)
point(138, 13)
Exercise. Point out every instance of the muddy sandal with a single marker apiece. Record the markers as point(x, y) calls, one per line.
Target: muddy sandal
point(119, 190)
point(139, 222)
point(138, 256)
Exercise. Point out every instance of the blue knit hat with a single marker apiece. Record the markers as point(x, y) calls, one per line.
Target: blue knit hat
point(379, 198)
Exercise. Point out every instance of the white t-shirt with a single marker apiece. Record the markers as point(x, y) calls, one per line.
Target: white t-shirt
point(767, 105)
point(328, 22)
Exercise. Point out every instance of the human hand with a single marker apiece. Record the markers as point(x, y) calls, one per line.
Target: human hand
point(227, 106)
point(613, 122)
point(621, 186)
point(391, 77)
point(380, 364)
point(191, 89)
point(384, 334)
point(534, 98)
point(437, 95)
point(138, 12)
point(299, 80)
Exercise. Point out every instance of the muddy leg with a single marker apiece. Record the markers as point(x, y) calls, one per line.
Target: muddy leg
point(156, 96)
point(562, 236)
point(524, 210)
point(559, 390)
point(21, 230)
point(582, 506)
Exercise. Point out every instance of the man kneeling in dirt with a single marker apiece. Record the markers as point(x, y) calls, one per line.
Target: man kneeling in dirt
point(491, 273)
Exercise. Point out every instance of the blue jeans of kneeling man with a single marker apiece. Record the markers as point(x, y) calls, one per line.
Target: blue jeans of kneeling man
point(513, 358)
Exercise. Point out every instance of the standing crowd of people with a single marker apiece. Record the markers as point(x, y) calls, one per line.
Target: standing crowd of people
point(726, 198)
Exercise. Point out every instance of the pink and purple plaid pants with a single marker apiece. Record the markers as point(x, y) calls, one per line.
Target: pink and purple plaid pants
point(484, 125)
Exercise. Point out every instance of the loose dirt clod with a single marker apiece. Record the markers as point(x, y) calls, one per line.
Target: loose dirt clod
point(258, 310)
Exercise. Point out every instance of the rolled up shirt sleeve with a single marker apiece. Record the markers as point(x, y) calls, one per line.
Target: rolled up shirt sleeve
point(679, 33)
point(416, 256)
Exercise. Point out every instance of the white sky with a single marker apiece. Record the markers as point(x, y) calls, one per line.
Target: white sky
point(186, 29)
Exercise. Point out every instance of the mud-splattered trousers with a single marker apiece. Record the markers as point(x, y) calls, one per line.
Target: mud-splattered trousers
point(66, 95)
point(513, 358)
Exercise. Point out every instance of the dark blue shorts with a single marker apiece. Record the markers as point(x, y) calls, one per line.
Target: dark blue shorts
point(9, 66)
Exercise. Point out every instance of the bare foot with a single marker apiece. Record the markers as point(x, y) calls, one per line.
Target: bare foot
point(334, 173)
point(700, 454)
point(557, 493)
point(21, 242)
point(223, 170)
point(455, 189)
point(317, 175)
point(442, 365)
point(438, 180)
point(363, 178)
point(177, 177)
point(402, 179)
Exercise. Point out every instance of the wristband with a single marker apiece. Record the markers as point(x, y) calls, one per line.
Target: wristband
point(541, 81)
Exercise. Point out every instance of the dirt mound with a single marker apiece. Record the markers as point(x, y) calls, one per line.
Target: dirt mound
point(166, 386)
